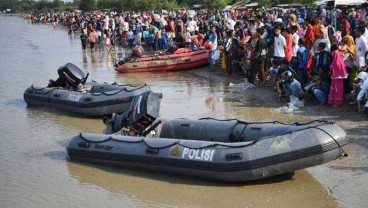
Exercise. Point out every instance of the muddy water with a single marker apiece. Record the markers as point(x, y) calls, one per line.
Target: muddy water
point(35, 172)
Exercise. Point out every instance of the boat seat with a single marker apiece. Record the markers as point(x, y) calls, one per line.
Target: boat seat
point(204, 130)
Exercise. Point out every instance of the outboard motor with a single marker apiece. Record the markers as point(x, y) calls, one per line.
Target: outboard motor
point(138, 51)
point(69, 76)
point(144, 110)
point(134, 52)
point(122, 61)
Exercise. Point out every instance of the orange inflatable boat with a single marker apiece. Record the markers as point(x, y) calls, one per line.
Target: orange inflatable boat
point(181, 59)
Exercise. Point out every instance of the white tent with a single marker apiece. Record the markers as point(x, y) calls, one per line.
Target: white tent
point(340, 2)
point(321, 2)
point(349, 2)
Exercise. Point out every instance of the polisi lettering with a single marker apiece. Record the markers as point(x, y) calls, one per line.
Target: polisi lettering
point(74, 97)
point(198, 154)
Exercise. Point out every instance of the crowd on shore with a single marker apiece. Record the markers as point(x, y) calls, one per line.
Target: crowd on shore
point(320, 55)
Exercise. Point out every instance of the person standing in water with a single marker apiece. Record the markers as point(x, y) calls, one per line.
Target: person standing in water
point(213, 40)
point(92, 39)
point(84, 40)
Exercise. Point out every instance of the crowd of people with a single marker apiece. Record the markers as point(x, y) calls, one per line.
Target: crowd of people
point(318, 54)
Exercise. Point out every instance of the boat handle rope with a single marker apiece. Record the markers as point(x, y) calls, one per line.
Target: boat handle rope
point(169, 145)
point(114, 83)
point(42, 88)
point(270, 122)
point(124, 89)
point(342, 151)
point(98, 93)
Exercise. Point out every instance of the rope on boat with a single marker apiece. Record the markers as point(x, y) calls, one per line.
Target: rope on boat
point(172, 144)
point(343, 153)
point(42, 88)
point(97, 93)
point(270, 122)
point(249, 143)
point(124, 89)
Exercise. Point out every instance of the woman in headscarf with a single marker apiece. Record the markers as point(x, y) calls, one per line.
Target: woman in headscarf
point(336, 95)
point(335, 38)
point(347, 49)
point(323, 37)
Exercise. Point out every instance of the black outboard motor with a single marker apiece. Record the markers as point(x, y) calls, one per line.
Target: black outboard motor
point(122, 61)
point(144, 110)
point(70, 76)
point(133, 53)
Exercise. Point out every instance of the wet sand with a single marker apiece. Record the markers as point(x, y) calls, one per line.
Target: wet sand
point(179, 191)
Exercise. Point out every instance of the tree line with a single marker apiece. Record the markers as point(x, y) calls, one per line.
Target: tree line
point(127, 5)
point(88, 5)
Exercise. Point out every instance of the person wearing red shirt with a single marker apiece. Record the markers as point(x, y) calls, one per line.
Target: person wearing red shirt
point(289, 44)
point(309, 34)
point(344, 26)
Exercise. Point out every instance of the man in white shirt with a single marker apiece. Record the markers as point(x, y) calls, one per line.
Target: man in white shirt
point(362, 95)
point(280, 45)
point(192, 25)
point(230, 23)
point(361, 47)
point(294, 30)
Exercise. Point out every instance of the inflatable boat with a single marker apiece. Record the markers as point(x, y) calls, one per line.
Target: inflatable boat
point(71, 93)
point(181, 59)
point(221, 150)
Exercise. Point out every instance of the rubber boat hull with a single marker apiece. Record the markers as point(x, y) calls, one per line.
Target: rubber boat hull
point(217, 150)
point(182, 59)
point(101, 100)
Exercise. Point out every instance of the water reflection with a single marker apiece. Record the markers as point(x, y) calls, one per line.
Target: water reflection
point(180, 191)
point(211, 103)
point(94, 61)
point(84, 61)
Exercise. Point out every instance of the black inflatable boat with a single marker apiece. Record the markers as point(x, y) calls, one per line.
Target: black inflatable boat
point(223, 150)
point(71, 93)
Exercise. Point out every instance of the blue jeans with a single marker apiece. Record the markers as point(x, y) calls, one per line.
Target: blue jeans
point(291, 90)
point(302, 76)
point(130, 42)
point(210, 60)
point(294, 63)
point(321, 96)
point(278, 58)
point(250, 72)
point(156, 44)
point(273, 74)
point(334, 23)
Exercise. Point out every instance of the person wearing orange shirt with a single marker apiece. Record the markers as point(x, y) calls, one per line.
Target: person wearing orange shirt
point(318, 26)
point(200, 38)
point(289, 44)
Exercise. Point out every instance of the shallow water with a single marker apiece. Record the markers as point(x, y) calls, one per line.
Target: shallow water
point(35, 171)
